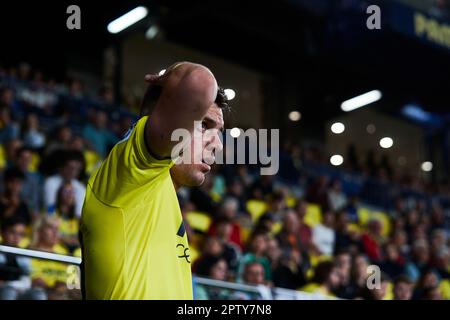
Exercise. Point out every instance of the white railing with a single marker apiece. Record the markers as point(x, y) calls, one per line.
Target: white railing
point(264, 292)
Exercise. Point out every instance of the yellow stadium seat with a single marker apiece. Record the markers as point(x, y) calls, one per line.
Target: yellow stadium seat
point(389, 292)
point(384, 218)
point(313, 214)
point(245, 233)
point(25, 242)
point(363, 216)
point(77, 252)
point(35, 161)
point(366, 214)
point(93, 160)
point(215, 196)
point(290, 202)
point(444, 286)
point(256, 208)
point(354, 227)
point(2, 157)
point(316, 259)
point(199, 220)
point(276, 227)
point(194, 254)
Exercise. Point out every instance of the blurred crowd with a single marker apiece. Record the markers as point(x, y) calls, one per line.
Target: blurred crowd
point(311, 227)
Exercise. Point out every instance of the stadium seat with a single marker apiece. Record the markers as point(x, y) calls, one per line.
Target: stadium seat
point(2, 157)
point(256, 208)
point(35, 161)
point(313, 214)
point(93, 160)
point(365, 214)
point(444, 286)
point(199, 221)
point(290, 202)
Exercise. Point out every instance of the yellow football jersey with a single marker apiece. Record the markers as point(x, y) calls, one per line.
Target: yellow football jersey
point(134, 242)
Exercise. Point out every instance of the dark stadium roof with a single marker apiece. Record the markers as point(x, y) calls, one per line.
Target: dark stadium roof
point(328, 60)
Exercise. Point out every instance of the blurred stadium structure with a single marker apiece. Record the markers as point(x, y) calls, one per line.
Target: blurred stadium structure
point(344, 197)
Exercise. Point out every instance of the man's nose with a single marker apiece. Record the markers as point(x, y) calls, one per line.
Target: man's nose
point(214, 141)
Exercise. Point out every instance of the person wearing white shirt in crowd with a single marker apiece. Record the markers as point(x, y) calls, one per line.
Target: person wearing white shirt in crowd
point(69, 172)
point(336, 198)
point(323, 235)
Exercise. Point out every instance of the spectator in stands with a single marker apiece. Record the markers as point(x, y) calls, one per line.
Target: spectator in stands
point(15, 282)
point(212, 247)
point(69, 172)
point(231, 251)
point(337, 200)
point(11, 203)
point(378, 292)
point(215, 268)
point(31, 188)
point(97, 135)
point(325, 280)
point(254, 273)
point(48, 274)
point(438, 240)
point(32, 136)
point(304, 230)
point(289, 237)
point(359, 273)
point(393, 263)
point(262, 187)
point(63, 136)
point(438, 218)
point(346, 239)
point(400, 239)
point(229, 210)
point(343, 263)
point(433, 293)
point(257, 253)
point(202, 199)
point(65, 210)
point(289, 271)
point(403, 288)
point(371, 240)
point(235, 189)
point(7, 99)
point(10, 150)
point(318, 193)
point(324, 235)
point(428, 280)
point(8, 129)
point(420, 260)
point(442, 263)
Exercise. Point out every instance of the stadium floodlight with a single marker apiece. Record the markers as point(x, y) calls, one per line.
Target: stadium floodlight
point(361, 100)
point(427, 166)
point(235, 132)
point(230, 93)
point(336, 160)
point(127, 19)
point(386, 142)
point(337, 127)
point(294, 116)
point(152, 32)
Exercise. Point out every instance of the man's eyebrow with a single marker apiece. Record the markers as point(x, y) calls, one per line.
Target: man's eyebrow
point(213, 123)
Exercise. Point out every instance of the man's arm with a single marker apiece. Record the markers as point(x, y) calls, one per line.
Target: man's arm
point(188, 91)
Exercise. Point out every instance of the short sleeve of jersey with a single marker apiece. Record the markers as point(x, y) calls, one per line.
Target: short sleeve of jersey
point(128, 170)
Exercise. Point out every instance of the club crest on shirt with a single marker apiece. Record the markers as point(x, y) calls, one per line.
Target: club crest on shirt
point(184, 252)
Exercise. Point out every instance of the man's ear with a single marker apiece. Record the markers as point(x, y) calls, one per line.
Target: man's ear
point(150, 99)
